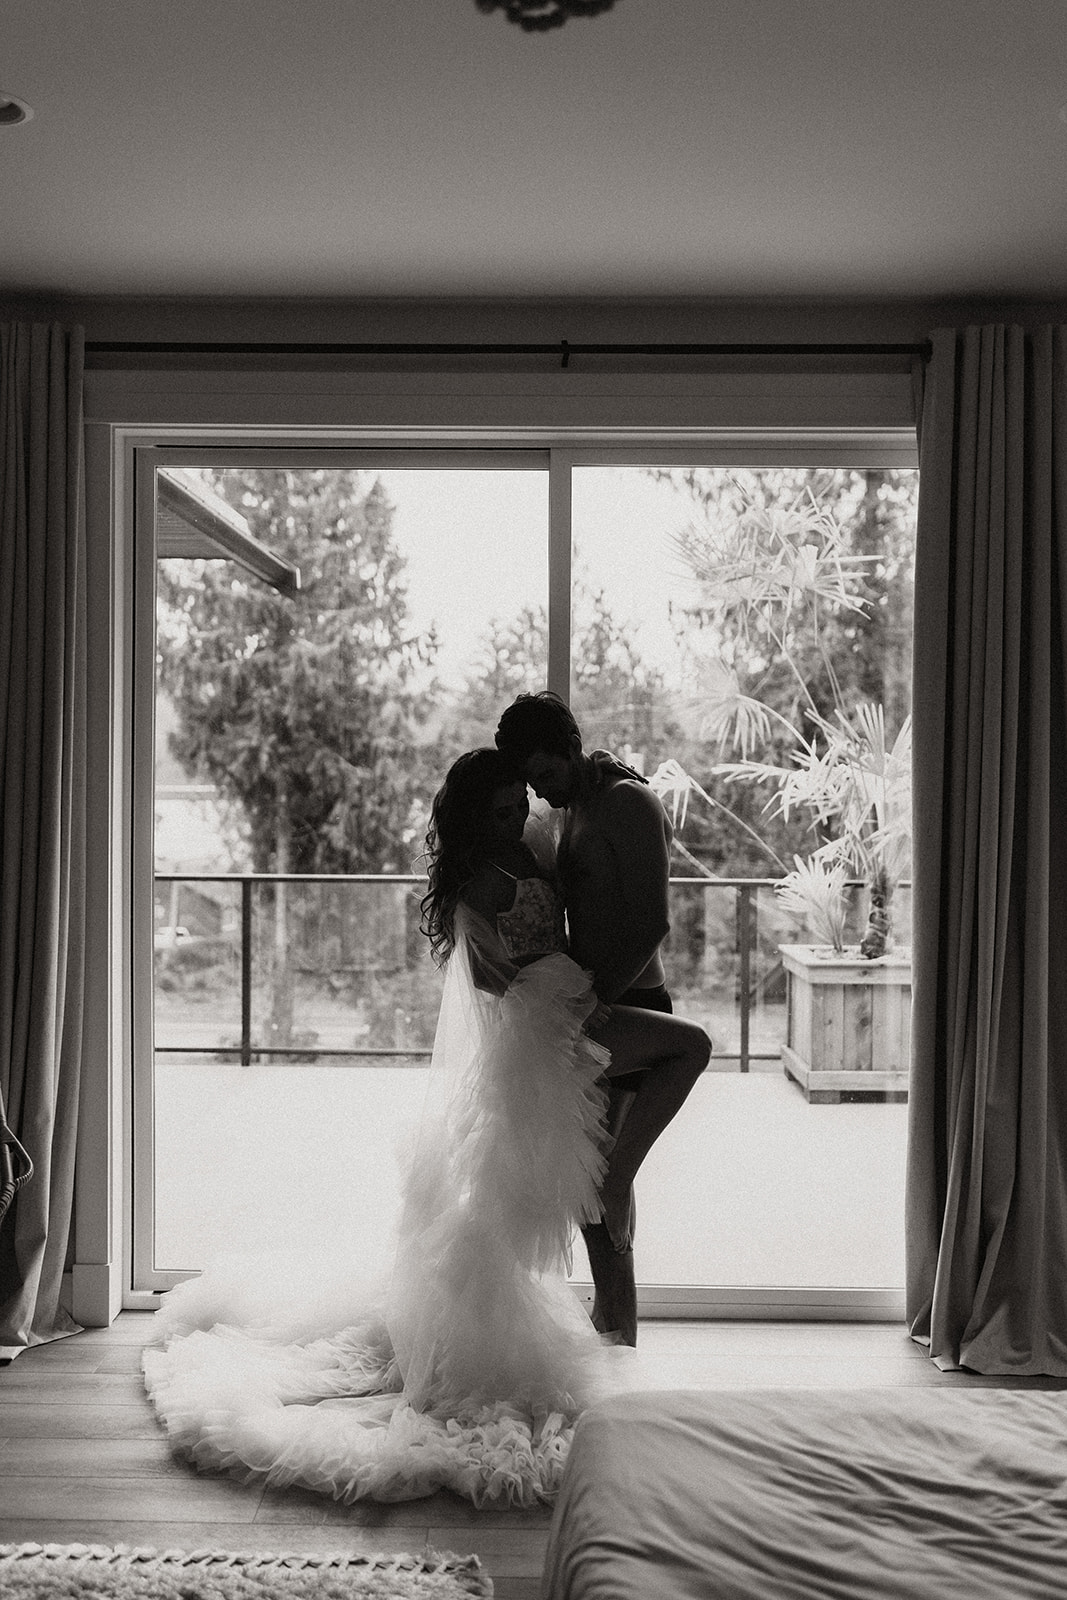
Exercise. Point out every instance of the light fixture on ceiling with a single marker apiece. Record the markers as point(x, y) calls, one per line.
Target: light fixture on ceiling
point(535, 16)
point(13, 111)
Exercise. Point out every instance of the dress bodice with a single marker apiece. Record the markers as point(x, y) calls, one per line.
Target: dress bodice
point(534, 926)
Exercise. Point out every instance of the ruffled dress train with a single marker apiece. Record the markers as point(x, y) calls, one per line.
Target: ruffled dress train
point(467, 1369)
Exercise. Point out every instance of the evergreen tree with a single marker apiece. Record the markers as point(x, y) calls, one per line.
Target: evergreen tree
point(512, 659)
point(617, 699)
point(307, 710)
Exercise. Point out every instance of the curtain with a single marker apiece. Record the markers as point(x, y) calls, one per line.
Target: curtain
point(42, 810)
point(987, 1188)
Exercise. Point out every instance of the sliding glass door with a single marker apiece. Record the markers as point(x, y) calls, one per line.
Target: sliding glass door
point(303, 715)
point(320, 633)
point(757, 1185)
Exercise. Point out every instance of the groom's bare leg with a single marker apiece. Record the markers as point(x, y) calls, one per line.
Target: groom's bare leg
point(666, 1089)
point(614, 1286)
point(622, 1089)
point(615, 1301)
point(671, 1055)
point(661, 1057)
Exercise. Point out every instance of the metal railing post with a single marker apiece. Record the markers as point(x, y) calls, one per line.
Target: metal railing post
point(246, 972)
point(745, 931)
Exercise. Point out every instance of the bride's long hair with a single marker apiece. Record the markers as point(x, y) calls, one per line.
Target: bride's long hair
point(457, 840)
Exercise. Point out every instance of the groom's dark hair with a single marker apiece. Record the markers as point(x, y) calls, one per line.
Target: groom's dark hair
point(537, 722)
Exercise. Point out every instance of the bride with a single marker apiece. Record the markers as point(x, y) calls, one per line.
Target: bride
point(468, 1368)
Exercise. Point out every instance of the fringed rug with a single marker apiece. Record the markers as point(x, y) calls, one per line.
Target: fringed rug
point(122, 1572)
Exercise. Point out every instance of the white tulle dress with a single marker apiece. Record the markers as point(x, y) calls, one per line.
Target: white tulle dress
point(465, 1370)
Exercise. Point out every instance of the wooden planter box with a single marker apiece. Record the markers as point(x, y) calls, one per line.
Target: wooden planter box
point(848, 1024)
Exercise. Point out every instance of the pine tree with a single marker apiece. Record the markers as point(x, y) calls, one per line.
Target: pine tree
point(307, 711)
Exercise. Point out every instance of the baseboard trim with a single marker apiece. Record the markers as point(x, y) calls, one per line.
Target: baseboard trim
point(96, 1294)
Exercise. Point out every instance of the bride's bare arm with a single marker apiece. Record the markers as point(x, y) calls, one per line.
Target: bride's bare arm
point(491, 969)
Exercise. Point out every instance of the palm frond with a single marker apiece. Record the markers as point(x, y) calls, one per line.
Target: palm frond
point(815, 890)
point(767, 556)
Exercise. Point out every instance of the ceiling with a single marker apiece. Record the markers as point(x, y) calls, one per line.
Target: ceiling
point(829, 148)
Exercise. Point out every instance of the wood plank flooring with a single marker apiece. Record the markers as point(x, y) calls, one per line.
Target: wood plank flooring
point(83, 1458)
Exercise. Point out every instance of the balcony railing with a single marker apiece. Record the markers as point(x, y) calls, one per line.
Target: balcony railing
point(322, 967)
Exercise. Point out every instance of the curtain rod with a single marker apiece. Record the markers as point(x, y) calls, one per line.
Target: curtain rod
point(563, 348)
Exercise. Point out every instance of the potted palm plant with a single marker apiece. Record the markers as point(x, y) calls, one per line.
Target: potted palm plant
point(767, 582)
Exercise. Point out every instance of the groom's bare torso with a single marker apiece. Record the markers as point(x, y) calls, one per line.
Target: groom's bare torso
point(602, 856)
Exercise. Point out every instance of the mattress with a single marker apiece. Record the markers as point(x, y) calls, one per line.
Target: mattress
point(941, 1492)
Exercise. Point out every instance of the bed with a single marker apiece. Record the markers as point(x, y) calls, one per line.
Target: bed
point(942, 1492)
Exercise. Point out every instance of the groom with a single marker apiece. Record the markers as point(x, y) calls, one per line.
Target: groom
point(613, 864)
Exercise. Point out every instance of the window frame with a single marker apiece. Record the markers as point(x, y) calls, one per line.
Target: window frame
point(134, 450)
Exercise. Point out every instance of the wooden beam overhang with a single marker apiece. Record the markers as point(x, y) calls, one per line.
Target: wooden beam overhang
point(191, 521)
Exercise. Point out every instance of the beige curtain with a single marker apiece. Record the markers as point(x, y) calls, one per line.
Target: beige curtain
point(42, 809)
point(987, 1178)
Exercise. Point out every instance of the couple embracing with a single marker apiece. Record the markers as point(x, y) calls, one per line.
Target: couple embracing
point(556, 1065)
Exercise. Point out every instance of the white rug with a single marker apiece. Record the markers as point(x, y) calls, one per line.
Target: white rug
point(122, 1572)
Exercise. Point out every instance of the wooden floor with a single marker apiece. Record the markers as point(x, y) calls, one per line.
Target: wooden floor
point(82, 1457)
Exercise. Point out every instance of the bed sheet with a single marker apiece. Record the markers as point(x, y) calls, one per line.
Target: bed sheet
point(892, 1494)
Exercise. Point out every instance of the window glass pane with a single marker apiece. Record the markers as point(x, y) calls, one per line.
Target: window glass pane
point(429, 611)
point(301, 736)
point(754, 1183)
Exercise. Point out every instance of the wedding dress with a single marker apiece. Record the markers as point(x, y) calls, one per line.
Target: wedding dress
point(468, 1368)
